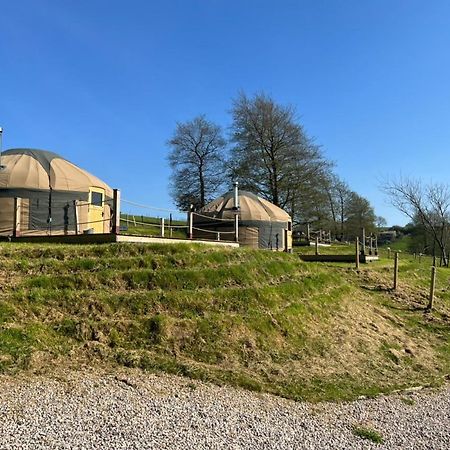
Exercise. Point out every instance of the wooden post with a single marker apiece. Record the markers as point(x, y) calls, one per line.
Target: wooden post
point(17, 213)
point(308, 232)
point(371, 245)
point(396, 271)
point(389, 252)
point(434, 260)
point(218, 236)
point(170, 225)
point(432, 288)
point(363, 243)
point(317, 245)
point(75, 217)
point(162, 226)
point(116, 212)
point(357, 252)
point(236, 227)
point(190, 224)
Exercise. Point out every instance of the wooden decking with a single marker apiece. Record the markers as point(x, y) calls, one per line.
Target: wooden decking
point(338, 258)
point(107, 238)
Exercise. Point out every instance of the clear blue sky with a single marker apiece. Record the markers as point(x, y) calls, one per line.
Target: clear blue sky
point(104, 82)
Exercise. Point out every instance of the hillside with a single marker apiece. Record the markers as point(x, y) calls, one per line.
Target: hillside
point(256, 319)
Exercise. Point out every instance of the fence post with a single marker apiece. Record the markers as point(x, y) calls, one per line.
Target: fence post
point(162, 226)
point(317, 245)
point(357, 252)
point(236, 227)
point(396, 271)
point(218, 236)
point(389, 252)
point(116, 212)
point(190, 224)
point(170, 225)
point(432, 288)
point(376, 245)
point(363, 243)
point(17, 213)
point(75, 216)
point(371, 245)
point(308, 232)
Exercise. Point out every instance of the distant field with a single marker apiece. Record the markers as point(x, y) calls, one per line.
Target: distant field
point(151, 226)
point(258, 319)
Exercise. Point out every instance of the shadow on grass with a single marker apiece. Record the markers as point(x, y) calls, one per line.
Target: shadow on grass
point(377, 288)
point(411, 308)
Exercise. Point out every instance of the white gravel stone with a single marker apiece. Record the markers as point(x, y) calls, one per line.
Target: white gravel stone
point(134, 410)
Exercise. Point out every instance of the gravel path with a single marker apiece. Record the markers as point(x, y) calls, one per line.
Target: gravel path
point(132, 410)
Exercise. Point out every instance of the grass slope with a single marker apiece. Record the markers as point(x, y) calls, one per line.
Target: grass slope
point(265, 321)
point(151, 226)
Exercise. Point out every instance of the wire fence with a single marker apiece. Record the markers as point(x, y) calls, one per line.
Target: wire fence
point(212, 218)
point(213, 231)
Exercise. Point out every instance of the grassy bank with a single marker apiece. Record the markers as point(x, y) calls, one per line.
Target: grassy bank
point(256, 319)
point(151, 226)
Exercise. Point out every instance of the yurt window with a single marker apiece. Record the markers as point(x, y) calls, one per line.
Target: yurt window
point(97, 198)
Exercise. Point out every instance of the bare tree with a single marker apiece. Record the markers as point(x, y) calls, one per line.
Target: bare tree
point(360, 214)
point(380, 222)
point(197, 160)
point(428, 205)
point(339, 198)
point(272, 155)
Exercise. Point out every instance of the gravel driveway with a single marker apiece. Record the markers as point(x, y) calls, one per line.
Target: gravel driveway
point(132, 410)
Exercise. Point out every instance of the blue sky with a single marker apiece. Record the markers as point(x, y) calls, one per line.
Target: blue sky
point(103, 82)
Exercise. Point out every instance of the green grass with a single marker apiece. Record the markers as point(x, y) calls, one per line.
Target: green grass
point(333, 249)
point(400, 245)
point(367, 433)
point(260, 320)
point(151, 226)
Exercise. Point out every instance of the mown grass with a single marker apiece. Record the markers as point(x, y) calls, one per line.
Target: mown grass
point(151, 226)
point(256, 319)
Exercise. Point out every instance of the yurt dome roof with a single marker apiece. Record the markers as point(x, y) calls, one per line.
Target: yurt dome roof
point(28, 168)
point(251, 207)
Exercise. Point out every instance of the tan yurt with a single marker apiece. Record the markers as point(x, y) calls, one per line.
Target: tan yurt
point(261, 223)
point(55, 196)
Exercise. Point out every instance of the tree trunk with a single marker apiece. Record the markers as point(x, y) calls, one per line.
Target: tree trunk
point(201, 179)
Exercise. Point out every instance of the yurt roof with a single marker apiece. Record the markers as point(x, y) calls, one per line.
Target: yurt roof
point(27, 168)
point(251, 207)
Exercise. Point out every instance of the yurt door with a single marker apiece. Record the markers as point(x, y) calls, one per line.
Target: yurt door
point(95, 213)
